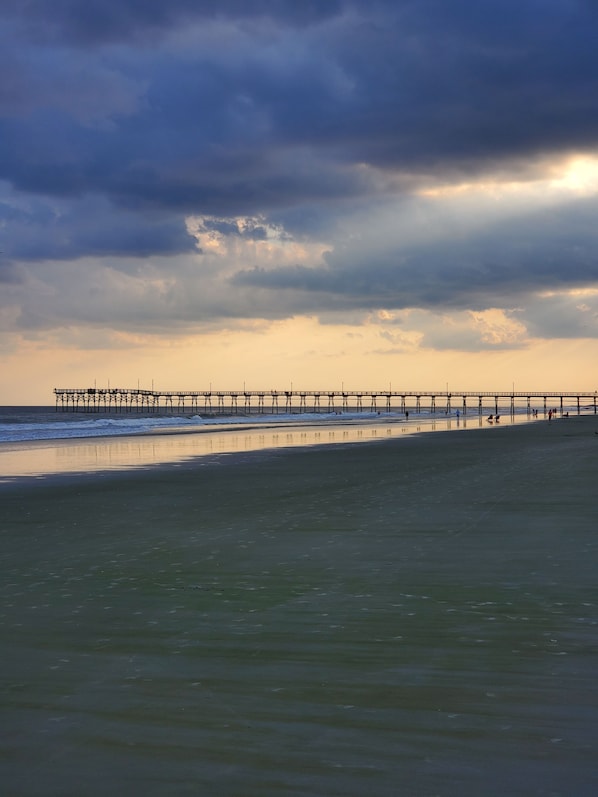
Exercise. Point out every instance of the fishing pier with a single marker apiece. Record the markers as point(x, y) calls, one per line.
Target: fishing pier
point(252, 402)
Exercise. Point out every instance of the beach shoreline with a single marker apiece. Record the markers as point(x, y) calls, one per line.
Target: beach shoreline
point(48, 458)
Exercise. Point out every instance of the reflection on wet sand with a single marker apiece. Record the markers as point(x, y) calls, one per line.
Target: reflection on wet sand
point(116, 453)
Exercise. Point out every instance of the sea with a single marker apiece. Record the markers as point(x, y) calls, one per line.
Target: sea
point(39, 441)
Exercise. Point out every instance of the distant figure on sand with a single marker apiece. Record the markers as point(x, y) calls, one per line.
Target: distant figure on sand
point(490, 418)
point(497, 418)
point(549, 415)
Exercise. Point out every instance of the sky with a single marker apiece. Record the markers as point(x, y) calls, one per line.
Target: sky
point(318, 194)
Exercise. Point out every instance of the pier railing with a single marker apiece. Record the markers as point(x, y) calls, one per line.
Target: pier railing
point(248, 402)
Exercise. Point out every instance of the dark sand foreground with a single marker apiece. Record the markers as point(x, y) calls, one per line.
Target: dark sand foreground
point(412, 617)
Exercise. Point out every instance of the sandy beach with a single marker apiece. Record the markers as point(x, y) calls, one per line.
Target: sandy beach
point(409, 617)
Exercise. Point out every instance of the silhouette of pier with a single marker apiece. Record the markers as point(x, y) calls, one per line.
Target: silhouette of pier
point(251, 402)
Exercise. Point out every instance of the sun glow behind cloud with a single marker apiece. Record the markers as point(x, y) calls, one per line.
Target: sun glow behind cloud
point(555, 180)
point(580, 176)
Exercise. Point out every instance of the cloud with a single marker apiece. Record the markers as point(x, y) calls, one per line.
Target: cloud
point(249, 108)
point(50, 229)
point(567, 314)
point(459, 261)
point(107, 21)
point(187, 163)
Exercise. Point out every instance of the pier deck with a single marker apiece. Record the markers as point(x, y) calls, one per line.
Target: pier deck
point(226, 402)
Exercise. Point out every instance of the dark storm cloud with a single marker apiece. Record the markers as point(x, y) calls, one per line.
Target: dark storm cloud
point(101, 21)
point(252, 230)
point(424, 87)
point(127, 115)
point(62, 231)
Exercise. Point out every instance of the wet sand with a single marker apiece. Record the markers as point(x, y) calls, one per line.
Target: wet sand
point(414, 616)
point(40, 458)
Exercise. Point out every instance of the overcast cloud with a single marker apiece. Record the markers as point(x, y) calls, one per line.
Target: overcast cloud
point(179, 163)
